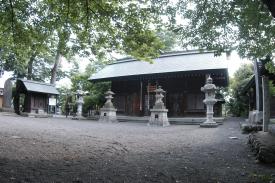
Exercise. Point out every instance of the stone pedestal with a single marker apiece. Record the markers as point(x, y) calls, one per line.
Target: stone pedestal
point(159, 112)
point(108, 111)
point(255, 117)
point(209, 90)
point(108, 115)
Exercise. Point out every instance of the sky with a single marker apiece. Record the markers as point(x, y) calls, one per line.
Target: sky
point(235, 62)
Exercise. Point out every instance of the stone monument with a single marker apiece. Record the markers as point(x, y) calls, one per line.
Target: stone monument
point(108, 111)
point(209, 90)
point(7, 96)
point(159, 112)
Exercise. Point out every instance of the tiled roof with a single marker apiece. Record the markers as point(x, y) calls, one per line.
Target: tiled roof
point(166, 63)
point(40, 87)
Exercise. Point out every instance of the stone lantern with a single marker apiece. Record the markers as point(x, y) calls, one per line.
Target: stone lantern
point(159, 112)
point(79, 102)
point(108, 111)
point(209, 90)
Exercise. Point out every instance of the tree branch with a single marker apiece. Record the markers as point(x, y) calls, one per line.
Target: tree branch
point(68, 12)
point(12, 20)
point(87, 13)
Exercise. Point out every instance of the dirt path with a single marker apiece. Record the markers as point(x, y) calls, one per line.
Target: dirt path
point(60, 150)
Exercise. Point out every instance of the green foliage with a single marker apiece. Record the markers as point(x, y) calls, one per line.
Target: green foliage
point(169, 39)
point(38, 31)
point(237, 102)
point(271, 88)
point(245, 26)
point(94, 92)
point(241, 77)
point(268, 65)
point(22, 34)
point(96, 97)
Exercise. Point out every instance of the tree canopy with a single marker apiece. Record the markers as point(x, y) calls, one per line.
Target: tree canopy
point(226, 25)
point(31, 31)
point(238, 102)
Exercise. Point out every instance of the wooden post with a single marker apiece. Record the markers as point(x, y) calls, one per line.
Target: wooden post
point(259, 101)
point(266, 103)
point(148, 99)
point(140, 100)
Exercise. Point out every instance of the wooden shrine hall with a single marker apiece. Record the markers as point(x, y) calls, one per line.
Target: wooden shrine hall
point(181, 75)
point(35, 97)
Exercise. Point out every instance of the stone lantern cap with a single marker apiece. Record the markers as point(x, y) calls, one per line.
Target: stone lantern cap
point(80, 92)
point(108, 95)
point(159, 90)
point(209, 80)
point(209, 85)
point(159, 96)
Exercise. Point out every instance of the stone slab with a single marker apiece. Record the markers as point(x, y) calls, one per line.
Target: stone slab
point(34, 115)
point(172, 120)
point(7, 109)
point(209, 125)
point(78, 118)
point(271, 129)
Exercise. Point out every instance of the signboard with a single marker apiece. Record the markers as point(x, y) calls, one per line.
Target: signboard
point(151, 88)
point(52, 101)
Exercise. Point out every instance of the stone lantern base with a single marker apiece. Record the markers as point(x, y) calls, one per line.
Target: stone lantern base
point(209, 125)
point(78, 117)
point(108, 115)
point(158, 117)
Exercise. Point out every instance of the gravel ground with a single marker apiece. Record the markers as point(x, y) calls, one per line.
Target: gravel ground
point(63, 150)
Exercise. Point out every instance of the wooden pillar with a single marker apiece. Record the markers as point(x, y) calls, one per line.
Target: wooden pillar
point(266, 103)
point(140, 99)
point(146, 109)
point(148, 96)
point(259, 101)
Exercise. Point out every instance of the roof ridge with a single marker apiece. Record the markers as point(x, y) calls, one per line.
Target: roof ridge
point(166, 54)
point(36, 82)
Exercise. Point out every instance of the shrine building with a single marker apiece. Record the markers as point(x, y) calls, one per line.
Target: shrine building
point(35, 97)
point(181, 75)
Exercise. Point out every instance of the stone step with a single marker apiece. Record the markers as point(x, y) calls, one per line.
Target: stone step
point(34, 115)
point(9, 114)
point(177, 121)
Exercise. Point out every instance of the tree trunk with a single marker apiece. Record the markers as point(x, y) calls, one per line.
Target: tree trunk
point(266, 103)
point(258, 84)
point(271, 6)
point(55, 67)
point(30, 66)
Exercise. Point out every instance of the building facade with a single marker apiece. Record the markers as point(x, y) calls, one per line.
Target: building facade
point(181, 75)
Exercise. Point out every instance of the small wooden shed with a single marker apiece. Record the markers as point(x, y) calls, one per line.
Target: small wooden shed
point(35, 97)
